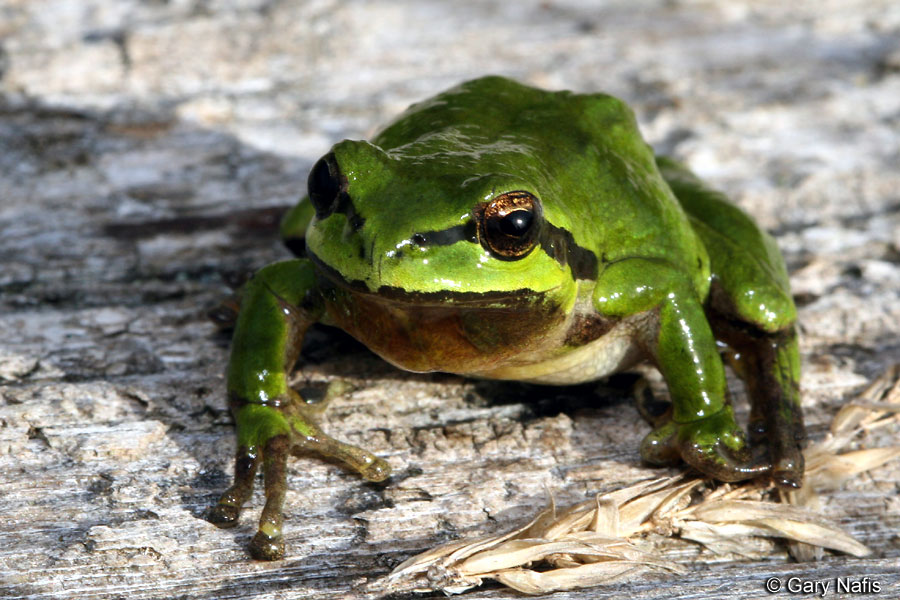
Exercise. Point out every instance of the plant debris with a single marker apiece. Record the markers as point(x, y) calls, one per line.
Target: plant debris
point(597, 541)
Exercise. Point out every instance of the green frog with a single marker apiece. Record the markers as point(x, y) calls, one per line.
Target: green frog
point(501, 231)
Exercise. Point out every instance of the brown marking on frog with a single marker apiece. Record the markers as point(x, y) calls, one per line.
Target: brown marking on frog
point(586, 328)
point(462, 338)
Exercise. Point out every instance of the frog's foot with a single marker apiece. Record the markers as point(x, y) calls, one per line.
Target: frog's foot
point(782, 439)
point(659, 447)
point(770, 367)
point(713, 445)
point(369, 466)
point(308, 438)
point(268, 543)
point(267, 436)
point(226, 512)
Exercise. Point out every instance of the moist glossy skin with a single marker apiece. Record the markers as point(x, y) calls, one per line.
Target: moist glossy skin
point(497, 230)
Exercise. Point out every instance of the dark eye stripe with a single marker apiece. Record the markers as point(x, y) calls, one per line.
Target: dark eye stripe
point(559, 244)
point(555, 241)
point(447, 237)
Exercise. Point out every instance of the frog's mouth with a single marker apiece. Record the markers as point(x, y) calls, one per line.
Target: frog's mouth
point(509, 299)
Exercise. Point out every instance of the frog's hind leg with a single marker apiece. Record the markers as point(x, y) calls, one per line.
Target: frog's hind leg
point(750, 308)
point(769, 365)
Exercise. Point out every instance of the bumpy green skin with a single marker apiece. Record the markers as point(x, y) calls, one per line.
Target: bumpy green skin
point(633, 258)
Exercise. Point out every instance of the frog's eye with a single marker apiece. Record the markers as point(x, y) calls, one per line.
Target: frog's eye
point(509, 225)
point(324, 186)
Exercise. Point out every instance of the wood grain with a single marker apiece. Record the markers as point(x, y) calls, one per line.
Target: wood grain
point(145, 152)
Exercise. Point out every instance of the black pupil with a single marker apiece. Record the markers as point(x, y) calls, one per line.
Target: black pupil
point(516, 223)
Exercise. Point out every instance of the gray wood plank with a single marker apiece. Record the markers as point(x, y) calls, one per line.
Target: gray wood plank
point(146, 150)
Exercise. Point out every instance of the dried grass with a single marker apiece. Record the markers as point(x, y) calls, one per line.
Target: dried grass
point(594, 542)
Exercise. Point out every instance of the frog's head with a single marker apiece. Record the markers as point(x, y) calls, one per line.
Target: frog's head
point(451, 262)
point(433, 225)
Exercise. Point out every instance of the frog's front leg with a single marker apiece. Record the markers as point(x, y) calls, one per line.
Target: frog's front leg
point(277, 307)
point(675, 333)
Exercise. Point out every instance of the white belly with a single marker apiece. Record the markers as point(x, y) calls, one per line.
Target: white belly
point(614, 351)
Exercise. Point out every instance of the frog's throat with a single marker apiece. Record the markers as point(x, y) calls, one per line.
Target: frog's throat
point(523, 297)
point(455, 332)
point(477, 336)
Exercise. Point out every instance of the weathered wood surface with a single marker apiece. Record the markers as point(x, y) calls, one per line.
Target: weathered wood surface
point(145, 148)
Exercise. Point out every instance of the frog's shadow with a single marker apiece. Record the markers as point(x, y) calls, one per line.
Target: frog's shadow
point(551, 400)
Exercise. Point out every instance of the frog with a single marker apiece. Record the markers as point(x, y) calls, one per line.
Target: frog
point(501, 231)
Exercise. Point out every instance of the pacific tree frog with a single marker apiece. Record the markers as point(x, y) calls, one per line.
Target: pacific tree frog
point(501, 231)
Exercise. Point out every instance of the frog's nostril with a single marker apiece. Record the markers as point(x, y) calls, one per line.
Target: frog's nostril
point(325, 186)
